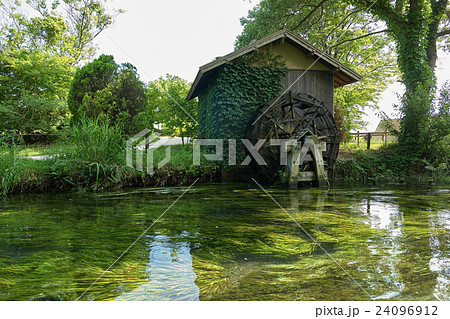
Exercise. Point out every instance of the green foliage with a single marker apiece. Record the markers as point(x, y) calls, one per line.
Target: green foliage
point(263, 58)
point(32, 114)
point(168, 106)
point(22, 175)
point(425, 127)
point(438, 132)
point(91, 78)
point(96, 141)
point(15, 172)
point(34, 73)
point(86, 20)
point(340, 30)
point(64, 28)
point(7, 155)
point(102, 87)
point(347, 115)
point(366, 166)
point(92, 158)
point(413, 127)
point(32, 88)
point(233, 96)
point(392, 163)
point(40, 44)
point(416, 27)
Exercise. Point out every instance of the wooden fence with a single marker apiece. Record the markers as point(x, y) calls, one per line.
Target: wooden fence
point(368, 137)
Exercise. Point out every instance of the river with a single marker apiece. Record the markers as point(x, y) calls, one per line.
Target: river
point(227, 242)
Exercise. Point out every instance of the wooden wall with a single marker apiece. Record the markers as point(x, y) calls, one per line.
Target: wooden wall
point(316, 83)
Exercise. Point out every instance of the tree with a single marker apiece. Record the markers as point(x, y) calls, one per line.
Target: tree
point(66, 28)
point(104, 88)
point(417, 27)
point(33, 87)
point(92, 77)
point(86, 19)
point(346, 33)
point(39, 45)
point(167, 97)
point(32, 114)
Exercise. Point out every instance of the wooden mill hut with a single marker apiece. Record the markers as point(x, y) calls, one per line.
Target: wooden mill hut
point(246, 93)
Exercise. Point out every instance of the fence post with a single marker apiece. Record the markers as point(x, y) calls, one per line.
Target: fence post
point(147, 140)
point(357, 138)
point(369, 136)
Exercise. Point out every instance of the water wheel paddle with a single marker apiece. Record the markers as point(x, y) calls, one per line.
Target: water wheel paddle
point(299, 117)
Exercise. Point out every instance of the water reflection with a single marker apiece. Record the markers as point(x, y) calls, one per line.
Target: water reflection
point(440, 261)
point(170, 273)
point(386, 245)
point(227, 242)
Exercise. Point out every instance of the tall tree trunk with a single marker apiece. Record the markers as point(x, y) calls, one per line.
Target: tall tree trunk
point(438, 9)
point(432, 52)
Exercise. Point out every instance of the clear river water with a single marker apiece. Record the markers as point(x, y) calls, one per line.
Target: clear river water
point(227, 242)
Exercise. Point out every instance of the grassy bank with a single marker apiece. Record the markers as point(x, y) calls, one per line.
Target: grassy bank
point(93, 158)
point(391, 164)
point(19, 174)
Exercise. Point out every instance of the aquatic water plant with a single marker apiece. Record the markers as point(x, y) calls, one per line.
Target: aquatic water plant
point(232, 242)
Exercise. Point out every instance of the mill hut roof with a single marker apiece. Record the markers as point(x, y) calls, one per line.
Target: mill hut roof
point(343, 75)
point(387, 125)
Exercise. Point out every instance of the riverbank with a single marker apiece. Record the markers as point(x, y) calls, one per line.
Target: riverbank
point(63, 167)
point(390, 164)
point(66, 172)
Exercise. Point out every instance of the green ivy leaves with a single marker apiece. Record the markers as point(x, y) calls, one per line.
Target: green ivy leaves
point(226, 108)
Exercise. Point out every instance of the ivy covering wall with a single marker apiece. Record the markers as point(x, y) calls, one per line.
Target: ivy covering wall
point(228, 106)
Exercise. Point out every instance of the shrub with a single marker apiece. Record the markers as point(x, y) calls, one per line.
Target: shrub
point(390, 163)
point(103, 87)
point(96, 141)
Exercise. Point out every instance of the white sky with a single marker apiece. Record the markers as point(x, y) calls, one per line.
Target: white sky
point(179, 36)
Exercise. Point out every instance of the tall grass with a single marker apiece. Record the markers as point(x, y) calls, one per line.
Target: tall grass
point(389, 164)
point(91, 157)
point(6, 153)
point(96, 141)
point(17, 173)
point(7, 160)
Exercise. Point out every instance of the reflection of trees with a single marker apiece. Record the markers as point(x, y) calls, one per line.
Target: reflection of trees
point(439, 223)
point(236, 242)
point(386, 245)
point(417, 207)
point(408, 244)
point(170, 274)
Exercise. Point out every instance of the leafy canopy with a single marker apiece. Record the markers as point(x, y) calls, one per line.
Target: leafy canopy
point(167, 101)
point(64, 28)
point(345, 32)
point(104, 88)
point(417, 27)
point(40, 43)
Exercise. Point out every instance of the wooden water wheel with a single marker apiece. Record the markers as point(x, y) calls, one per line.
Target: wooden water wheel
point(300, 117)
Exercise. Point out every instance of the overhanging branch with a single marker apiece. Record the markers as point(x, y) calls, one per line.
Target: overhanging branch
point(309, 15)
point(360, 37)
point(384, 9)
point(442, 33)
